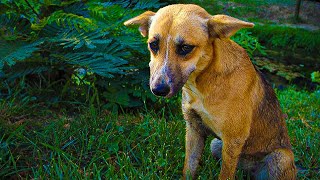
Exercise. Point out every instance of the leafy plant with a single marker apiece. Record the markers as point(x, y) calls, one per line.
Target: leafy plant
point(315, 76)
point(48, 42)
point(250, 43)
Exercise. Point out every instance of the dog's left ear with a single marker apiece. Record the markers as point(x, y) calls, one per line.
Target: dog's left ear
point(223, 26)
point(143, 20)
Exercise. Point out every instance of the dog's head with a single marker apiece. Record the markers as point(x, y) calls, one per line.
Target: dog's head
point(180, 42)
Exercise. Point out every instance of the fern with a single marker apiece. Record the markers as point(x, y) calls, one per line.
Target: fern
point(19, 54)
point(99, 63)
point(109, 17)
point(147, 4)
point(66, 19)
point(75, 40)
point(28, 9)
point(14, 27)
point(26, 69)
point(56, 39)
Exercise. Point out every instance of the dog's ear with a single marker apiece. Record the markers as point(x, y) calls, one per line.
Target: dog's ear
point(143, 20)
point(223, 26)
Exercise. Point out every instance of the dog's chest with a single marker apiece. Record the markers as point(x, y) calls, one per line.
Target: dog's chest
point(195, 105)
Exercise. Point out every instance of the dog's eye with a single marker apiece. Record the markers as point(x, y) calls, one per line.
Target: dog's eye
point(184, 49)
point(154, 46)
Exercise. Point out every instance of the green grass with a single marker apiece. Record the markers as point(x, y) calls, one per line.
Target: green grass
point(144, 145)
point(303, 110)
point(288, 38)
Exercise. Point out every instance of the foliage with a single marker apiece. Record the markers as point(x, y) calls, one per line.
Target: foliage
point(288, 38)
point(249, 43)
point(315, 76)
point(265, 2)
point(288, 72)
point(51, 42)
point(146, 145)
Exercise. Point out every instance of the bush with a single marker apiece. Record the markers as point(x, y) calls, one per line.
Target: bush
point(76, 50)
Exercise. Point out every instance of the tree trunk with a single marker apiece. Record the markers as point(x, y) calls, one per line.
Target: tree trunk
point(296, 14)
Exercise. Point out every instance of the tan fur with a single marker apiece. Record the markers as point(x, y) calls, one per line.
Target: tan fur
point(223, 93)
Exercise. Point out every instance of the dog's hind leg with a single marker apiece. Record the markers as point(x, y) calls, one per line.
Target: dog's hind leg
point(278, 165)
point(216, 148)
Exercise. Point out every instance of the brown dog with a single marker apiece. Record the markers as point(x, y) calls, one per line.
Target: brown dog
point(222, 92)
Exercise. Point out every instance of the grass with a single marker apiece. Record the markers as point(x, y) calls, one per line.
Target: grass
point(303, 110)
point(144, 145)
point(288, 38)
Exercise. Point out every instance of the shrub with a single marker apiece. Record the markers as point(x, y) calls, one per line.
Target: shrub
point(78, 50)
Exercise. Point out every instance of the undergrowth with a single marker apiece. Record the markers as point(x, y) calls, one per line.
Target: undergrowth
point(147, 144)
point(288, 38)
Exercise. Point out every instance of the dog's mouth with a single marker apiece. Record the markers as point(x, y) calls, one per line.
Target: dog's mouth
point(174, 90)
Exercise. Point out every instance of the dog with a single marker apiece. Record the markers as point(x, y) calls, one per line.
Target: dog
point(223, 94)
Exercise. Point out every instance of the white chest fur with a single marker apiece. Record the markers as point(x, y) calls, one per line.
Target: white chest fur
point(193, 100)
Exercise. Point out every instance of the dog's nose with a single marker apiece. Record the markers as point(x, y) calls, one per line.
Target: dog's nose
point(161, 90)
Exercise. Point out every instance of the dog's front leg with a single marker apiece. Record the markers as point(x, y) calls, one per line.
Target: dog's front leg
point(231, 150)
point(194, 148)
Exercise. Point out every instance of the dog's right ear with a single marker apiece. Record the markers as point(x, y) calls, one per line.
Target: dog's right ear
point(143, 20)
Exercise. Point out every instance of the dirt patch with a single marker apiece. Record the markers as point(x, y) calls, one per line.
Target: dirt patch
point(280, 13)
point(309, 14)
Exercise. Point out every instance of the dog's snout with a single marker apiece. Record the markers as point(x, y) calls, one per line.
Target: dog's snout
point(161, 89)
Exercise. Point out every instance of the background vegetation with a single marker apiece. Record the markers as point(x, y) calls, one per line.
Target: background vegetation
point(75, 101)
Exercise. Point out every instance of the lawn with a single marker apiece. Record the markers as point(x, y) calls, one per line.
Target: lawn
point(140, 145)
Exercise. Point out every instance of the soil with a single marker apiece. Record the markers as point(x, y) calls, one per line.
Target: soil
point(309, 17)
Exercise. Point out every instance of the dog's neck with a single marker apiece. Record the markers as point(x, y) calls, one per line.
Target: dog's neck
point(227, 57)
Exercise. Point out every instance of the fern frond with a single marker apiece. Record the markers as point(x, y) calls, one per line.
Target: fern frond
point(66, 19)
point(102, 64)
point(108, 18)
point(13, 26)
point(78, 7)
point(26, 9)
point(133, 41)
point(76, 40)
point(26, 69)
point(147, 4)
point(19, 54)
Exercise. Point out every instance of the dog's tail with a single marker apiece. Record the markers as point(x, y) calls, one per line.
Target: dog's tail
point(216, 148)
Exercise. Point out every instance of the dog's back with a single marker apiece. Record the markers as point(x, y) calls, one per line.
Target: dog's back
point(268, 128)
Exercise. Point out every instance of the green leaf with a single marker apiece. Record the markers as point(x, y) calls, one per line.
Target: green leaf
point(315, 76)
point(19, 54)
